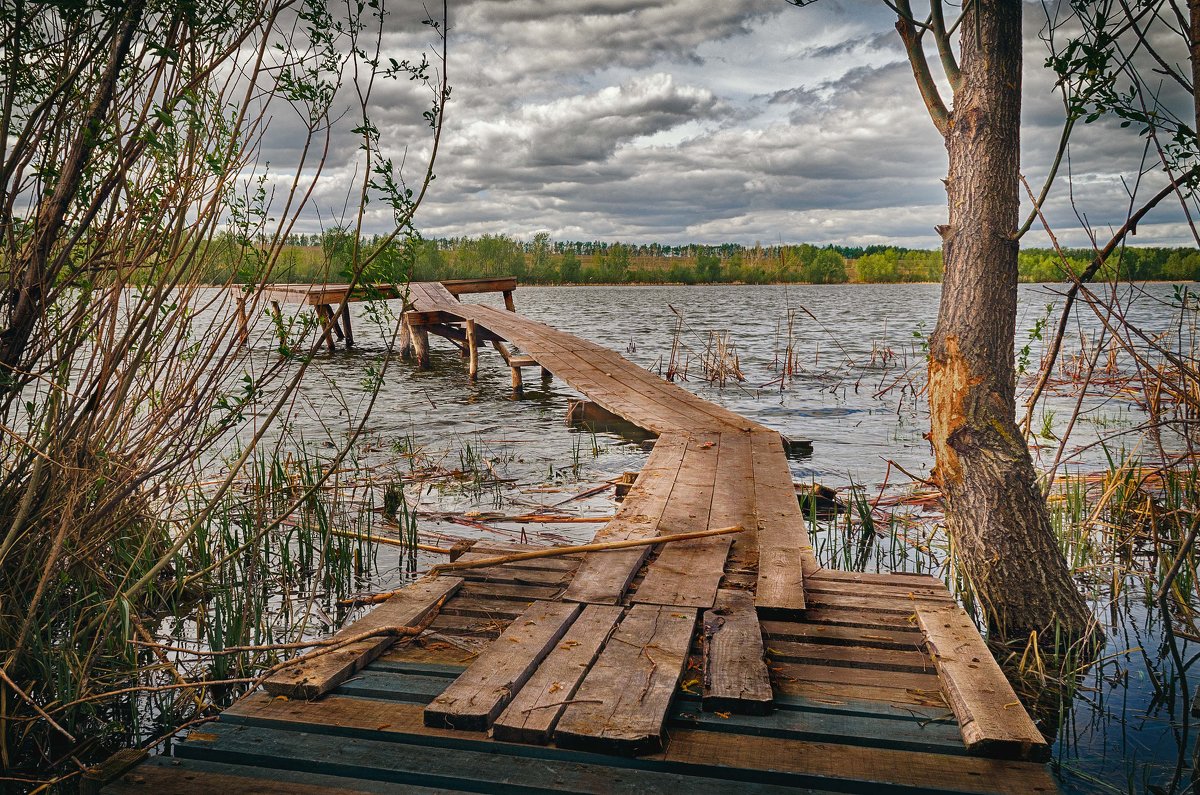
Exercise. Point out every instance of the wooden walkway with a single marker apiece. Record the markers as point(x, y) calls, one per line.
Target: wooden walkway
point(723, 664)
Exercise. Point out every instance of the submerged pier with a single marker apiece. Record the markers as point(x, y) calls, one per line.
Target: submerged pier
point(730, 663)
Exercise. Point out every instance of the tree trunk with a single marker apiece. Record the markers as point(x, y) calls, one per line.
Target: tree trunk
point(997, 518)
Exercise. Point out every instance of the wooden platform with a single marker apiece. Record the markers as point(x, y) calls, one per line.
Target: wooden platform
point(726, 664)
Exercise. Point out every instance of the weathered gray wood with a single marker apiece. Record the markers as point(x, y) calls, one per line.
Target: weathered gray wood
point(784, 549)
point(991, 717)
point(689, 573)
point(735, 671)
point(622, 704)
point(476, 697)
point(406, 608)
point(533, 713)
point(603, 576)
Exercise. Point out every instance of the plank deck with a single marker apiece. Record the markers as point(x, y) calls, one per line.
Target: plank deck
point(621, 706)
point(532, 715)
point(407, 608)
point(991, 717)
point(589, 669)
point(735, 672)
point(474, 699)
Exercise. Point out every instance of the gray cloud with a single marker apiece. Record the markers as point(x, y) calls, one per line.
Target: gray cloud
point(688, 120)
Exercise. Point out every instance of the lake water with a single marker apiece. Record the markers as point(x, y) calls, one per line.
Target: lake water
point(855, 392)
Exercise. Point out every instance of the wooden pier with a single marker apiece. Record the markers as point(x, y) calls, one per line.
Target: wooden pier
point(731, 663)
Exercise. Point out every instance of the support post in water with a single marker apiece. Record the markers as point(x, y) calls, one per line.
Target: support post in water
point(472, 350)
point(406, 345)
point(347, 330)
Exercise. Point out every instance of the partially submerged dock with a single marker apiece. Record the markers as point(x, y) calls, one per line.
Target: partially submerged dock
point(727, 663)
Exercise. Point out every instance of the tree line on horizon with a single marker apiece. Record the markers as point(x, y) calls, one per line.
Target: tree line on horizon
point(329, 256)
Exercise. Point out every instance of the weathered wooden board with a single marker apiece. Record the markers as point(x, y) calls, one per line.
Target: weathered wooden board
point(471, 767)
point(885, 660)
point(531, 716)
point(836, 634)
point(738, 757)
point(991, 717)
point(735, 671)
point(168, 775)
point(622, 704)
point(784, 550)
point(687, 573)
point(475, 698)
point(408, 607)
point(603, 577)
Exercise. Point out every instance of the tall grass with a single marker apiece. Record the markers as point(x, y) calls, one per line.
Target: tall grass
point(145, 478)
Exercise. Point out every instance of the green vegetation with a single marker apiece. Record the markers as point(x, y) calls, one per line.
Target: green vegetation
point(328, 256)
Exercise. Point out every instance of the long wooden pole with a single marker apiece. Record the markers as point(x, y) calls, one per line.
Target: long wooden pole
point(553, 552)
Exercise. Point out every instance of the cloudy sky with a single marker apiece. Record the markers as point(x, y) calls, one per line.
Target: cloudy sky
point(700, 121)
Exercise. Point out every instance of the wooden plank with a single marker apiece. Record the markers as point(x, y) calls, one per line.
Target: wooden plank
point(534, 712)
point(687, 573)
point(782, 539)
point(797, 632)
point(841, 728)
point(888, 579)
point(467, 286)
point(464, 766)
point(732, 757)
point(912, 660)
point(475, 699)
point(407, 607)
point(164, 774)
point(837, 674)
point(735, 672)
point(622, 704)
point(789, 680)
point(992, 719)
point(860, 618)
point(603, 577)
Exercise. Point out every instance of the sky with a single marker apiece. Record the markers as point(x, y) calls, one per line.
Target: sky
point(744, 121)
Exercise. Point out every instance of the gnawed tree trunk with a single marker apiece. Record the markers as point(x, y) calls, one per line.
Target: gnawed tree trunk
point(997, 517)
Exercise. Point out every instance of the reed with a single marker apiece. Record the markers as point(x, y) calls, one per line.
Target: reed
point(149, 485)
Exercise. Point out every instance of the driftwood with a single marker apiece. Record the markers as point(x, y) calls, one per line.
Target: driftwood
point(554, 552)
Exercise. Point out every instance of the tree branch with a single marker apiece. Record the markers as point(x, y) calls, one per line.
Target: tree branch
point(920, 66)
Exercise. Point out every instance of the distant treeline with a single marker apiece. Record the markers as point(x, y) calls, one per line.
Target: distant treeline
point(329, 256)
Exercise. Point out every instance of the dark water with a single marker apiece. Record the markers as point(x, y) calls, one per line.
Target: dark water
point(855, 392)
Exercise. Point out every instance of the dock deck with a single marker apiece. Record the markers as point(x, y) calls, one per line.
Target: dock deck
point(727, 663)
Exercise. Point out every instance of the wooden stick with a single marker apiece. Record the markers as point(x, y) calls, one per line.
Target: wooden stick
point(554, 552)
point(395, 542)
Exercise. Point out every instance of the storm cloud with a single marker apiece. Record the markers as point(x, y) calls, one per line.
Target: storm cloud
point(692, 121)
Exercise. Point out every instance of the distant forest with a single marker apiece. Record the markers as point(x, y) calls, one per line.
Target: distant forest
point(328, 256)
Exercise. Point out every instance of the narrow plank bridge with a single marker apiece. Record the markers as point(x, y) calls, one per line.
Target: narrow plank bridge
point(727, 663)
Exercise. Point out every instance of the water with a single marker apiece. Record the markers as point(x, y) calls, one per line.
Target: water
point(857, 395)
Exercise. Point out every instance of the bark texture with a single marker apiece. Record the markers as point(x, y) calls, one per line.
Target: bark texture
point(997, 517)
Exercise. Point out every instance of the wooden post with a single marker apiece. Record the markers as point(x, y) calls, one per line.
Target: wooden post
point(243, 320)
point(406, 345)
point(547, 376)
point(346, 328)
point(472, 350)
point(516, 378)
point(331, 322)
point(324, 313)
point(420, 341)
point(508, 301)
